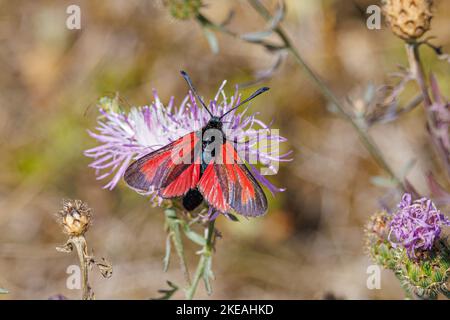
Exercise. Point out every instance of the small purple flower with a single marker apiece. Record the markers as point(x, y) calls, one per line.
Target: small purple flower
point(416, 225)
point(126, 136)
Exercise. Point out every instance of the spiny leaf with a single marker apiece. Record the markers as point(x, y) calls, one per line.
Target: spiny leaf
point(438, 276)
point(167, 293)
point(105, 267)
point(427, 269)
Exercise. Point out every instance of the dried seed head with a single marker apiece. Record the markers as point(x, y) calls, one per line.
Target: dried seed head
point(408, 19)
point(75, 217)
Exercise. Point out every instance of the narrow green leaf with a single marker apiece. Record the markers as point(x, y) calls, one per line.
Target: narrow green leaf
point(167, 293)
point(208, 274)
point(194, 236)
point(383, 182)
point(166, 260)
point(369, 94)
point(256, 36)
point(438, 276)
point(212, 40)
point(174, 230)
point(278, 16)
point(233, 217)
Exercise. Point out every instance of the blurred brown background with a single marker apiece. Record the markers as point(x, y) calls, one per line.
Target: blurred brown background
point(309, 246)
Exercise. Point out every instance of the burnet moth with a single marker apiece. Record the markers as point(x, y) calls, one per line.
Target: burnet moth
point(201, 166)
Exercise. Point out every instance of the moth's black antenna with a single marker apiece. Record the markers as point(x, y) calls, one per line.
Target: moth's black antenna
point(189, 82)
point(254, 95)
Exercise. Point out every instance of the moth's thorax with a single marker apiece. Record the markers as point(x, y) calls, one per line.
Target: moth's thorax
point(213, 131)
point(212, 138)
point(213, 123)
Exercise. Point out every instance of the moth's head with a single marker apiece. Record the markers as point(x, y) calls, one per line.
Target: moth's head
point(215, 123)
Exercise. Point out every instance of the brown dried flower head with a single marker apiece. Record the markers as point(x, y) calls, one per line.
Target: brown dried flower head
point(408, 19)
point(75, 217)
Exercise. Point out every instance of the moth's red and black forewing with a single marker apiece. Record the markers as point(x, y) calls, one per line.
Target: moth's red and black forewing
point(228, 184)
point(172, 170)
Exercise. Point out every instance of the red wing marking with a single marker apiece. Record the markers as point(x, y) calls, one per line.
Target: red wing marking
point(231, 185)
point(173, 169)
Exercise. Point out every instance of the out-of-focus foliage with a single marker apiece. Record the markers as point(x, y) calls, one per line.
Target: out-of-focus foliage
point(310, 243)
point(184, 9)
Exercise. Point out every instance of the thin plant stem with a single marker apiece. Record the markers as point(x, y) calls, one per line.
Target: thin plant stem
point(81, 248)
point(416, 67)
point(420, 76)
point(79, 244)
point(416, 101)
point(202, 264)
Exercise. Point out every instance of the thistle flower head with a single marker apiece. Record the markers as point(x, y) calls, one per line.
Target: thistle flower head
point(126, 136)
point(75, 217)
point(426, 277)
point(416, 225)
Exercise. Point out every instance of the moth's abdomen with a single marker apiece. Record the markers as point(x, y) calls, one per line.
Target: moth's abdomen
point(192, 199)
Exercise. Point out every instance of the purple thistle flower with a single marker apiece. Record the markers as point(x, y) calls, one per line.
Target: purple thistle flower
point(416, 225)
point(125, 137)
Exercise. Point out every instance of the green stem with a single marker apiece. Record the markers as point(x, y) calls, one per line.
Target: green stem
point(366, 139)
point(205, 255)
